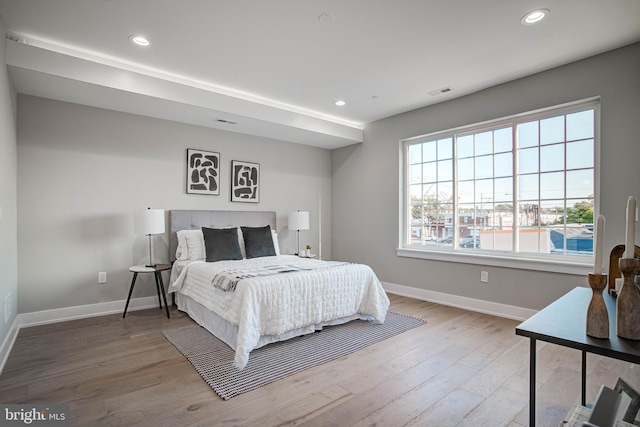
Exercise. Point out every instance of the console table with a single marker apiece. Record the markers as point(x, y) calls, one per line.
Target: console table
point(564, 323)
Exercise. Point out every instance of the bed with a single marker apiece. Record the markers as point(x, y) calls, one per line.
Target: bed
point(260, 296)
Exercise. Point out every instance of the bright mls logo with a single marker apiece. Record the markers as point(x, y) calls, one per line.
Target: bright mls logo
point(37, 415)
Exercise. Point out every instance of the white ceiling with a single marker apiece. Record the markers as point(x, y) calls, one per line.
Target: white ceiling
point(276, 67)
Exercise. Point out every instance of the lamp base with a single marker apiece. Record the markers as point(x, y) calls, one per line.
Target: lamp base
point(151, 264)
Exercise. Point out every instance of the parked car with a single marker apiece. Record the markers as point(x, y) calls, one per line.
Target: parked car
point(467, 242)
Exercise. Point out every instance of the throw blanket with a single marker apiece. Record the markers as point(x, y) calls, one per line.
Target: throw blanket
point(228, 280)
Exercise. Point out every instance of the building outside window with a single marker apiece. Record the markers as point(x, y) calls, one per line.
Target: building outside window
point(523, 185)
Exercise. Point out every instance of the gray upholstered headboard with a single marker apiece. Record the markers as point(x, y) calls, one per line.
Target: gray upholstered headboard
point(194, 220)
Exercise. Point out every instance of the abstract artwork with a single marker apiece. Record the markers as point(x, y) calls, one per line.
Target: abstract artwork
point(203, 172)
point(245, 182)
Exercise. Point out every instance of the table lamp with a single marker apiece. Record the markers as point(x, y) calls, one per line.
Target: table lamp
point(299, 220)
point(149, 222)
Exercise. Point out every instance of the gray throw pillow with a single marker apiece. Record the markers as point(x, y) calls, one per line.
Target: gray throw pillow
point(221, 244)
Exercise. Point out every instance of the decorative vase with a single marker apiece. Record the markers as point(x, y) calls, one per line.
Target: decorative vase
point(597, 315)
point(628, 303)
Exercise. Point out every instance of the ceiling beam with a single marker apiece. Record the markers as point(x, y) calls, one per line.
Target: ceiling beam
point(80, 79)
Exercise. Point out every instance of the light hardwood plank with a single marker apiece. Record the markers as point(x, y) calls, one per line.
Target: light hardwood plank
point(461, 368)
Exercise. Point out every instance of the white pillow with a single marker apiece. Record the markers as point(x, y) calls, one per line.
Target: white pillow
point(182, 252)
point(276, 246)
point(243, 251)
point(190, 245)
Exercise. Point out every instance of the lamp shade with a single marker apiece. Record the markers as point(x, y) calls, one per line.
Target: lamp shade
point(299, 220)
point(149, 221)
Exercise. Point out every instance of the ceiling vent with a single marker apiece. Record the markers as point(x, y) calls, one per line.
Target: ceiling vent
point(441, 91)
point(226, 122)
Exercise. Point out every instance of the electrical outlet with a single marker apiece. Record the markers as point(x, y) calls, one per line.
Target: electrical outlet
point(8, 307)
point(102, 277)
point(484, 276)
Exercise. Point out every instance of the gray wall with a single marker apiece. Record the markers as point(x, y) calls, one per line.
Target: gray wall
point(8, 198)
point(82, 172)
point(366, 178)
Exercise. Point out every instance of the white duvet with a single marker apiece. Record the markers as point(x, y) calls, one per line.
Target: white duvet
point(275, 304)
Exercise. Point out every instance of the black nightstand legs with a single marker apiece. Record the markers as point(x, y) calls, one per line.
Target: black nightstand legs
point(159, 290)
point(164, 296)
point(133, 282)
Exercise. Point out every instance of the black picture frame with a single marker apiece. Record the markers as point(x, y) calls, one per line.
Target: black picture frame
point(203, 172)
point(245, 181)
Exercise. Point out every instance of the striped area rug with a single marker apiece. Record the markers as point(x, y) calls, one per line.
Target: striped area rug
point(213, 359)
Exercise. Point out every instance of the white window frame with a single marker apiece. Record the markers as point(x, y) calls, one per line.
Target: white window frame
point(569, 264)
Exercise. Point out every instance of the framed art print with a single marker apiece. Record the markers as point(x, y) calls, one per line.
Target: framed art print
point(203, 172)
point(245, 182)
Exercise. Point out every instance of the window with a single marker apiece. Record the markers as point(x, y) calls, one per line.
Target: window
point(522, 186)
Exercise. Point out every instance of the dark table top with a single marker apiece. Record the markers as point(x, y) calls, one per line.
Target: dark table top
point(564, 322)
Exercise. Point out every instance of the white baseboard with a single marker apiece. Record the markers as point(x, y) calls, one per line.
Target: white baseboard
point(487, 307)
point(8, 342)
point(83, 311)
point(44, 317)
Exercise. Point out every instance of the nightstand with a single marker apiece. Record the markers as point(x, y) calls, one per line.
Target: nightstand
point(157, 272)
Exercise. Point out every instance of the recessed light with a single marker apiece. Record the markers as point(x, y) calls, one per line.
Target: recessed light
point(534, 16)
point(139, 40)
point(340, 103)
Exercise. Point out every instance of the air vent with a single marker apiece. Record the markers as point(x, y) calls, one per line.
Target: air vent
point(226, 122)
point(441, 91)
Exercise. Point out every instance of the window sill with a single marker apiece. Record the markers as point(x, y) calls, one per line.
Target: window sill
point(521, 263)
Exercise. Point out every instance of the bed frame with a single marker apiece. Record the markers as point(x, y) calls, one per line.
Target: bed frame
point(196, 219)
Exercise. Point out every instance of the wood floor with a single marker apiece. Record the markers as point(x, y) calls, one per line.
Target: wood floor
point(461, 368)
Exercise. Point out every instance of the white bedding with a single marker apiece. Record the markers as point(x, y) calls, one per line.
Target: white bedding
point(276, 304)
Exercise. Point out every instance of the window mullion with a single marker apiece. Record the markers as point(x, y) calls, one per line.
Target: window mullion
point(515, 240)
point(455, 212)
